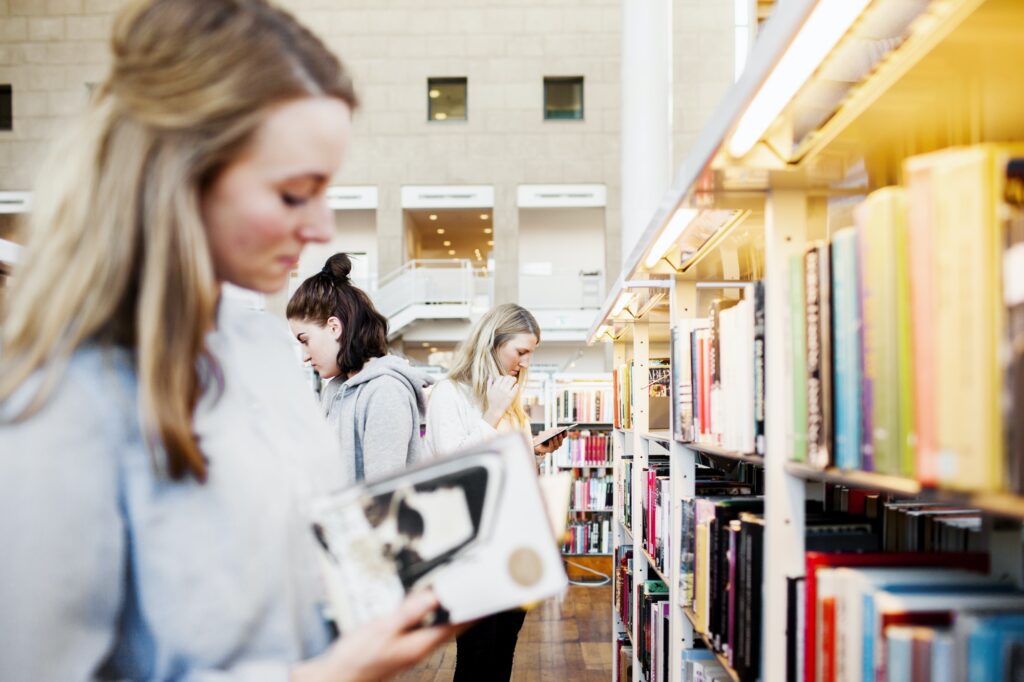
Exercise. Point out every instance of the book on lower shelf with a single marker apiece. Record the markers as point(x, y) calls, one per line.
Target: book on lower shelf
point(584, 448)
point(588, 536)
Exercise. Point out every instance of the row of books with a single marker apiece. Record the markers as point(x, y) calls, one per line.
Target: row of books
point(905, 616)
point(592, 492)
point(718, 375)
point(623, 657)
point(588, 536)
point(653, 635)
point(584, 448)
point(622, 586)
point(721, 560)
point(656, 382)
point(625, 490)
point(656, 503)
point(584, 404)
point(907, 329)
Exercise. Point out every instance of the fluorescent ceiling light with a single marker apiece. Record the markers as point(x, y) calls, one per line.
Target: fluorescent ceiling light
point(681, 219)
point(828, 22)
point(620, 303)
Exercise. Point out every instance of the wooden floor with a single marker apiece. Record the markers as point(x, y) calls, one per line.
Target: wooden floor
point(568, 641)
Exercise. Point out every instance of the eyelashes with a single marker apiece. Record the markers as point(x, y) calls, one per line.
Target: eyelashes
point(292, 200)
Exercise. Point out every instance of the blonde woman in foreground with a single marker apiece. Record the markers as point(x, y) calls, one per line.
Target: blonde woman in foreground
point(157, 444)
point(482, 396)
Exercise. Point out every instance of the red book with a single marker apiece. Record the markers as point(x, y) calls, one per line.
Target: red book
point(815, 560)
point(828, 634)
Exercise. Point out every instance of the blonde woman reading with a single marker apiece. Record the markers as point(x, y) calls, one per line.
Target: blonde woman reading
point(481, 396)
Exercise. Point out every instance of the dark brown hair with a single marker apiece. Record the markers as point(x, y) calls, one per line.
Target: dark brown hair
point(330, 293)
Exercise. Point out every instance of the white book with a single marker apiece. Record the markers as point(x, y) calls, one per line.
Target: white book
point(473, 527)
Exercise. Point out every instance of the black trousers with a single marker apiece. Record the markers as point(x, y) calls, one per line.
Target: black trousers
point(485, 651)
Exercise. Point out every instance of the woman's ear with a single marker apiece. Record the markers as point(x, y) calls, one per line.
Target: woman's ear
point(334, 324)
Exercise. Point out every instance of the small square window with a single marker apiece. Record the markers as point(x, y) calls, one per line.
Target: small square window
point(6, 108)
point(563, 98)
point(446, 99)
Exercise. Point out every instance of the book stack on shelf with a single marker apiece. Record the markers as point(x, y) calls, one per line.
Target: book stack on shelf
point(838, 281)
point(584, 449)
point(592, 491)
point(718, 375)
point(579, 401)
point(589, 537)
point(902, 345)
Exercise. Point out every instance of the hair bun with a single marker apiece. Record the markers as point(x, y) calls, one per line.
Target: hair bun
point(338, 267)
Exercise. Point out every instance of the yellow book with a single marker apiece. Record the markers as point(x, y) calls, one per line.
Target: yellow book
point(886, 301)
point(700, 602)
point(967, 186)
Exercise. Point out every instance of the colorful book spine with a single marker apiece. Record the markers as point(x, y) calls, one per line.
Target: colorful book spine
point(798, 356)
point(846, 349)
point(818, 335)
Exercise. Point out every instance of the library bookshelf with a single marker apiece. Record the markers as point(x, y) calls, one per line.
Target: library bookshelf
point(584, 401)
point(919, 78)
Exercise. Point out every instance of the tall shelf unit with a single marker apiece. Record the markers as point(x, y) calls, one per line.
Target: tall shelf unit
point(901, 78)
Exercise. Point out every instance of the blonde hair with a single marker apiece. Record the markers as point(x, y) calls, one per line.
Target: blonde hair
point(117, 252)
point(476, 361)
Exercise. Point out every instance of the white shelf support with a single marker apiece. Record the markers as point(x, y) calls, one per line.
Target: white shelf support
point(682, 474)
point(641, 424)
point(785, 230)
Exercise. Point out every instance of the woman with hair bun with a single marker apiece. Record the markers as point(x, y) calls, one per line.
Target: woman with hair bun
point(158, 446)
point(373, 401)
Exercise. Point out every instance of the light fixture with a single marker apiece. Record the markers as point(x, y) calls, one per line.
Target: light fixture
point(440, 230)
point(828, 22)
point(433, 216)
point(433, 349)
point(434, 93)
point(620, 303)
point(490, 242)
point(451, 252)
point(488, 230)
point(425, 344)
point(446, 243)
point(484, 216)
point(440, 116)
point(681, 219)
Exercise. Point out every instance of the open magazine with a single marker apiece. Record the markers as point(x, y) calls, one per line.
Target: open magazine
point(472, 526)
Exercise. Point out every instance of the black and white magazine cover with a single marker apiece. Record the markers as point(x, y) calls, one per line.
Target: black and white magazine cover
point(472, 526)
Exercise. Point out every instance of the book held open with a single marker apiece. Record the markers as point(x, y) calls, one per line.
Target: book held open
point(472, 526)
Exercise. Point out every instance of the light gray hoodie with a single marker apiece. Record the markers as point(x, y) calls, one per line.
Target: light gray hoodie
point(376, 415)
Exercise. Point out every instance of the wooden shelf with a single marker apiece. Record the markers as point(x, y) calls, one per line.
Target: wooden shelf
point(721, 453)
point(573, 554)
point(996, 503)
point(722, 660)
point(651, 563)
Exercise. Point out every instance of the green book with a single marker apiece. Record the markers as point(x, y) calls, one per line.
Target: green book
point(798, 340)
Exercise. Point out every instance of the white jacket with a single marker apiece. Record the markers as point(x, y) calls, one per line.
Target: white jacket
point(455, 421)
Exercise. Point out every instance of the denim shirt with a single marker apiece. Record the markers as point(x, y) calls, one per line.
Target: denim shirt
point(111, 570)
